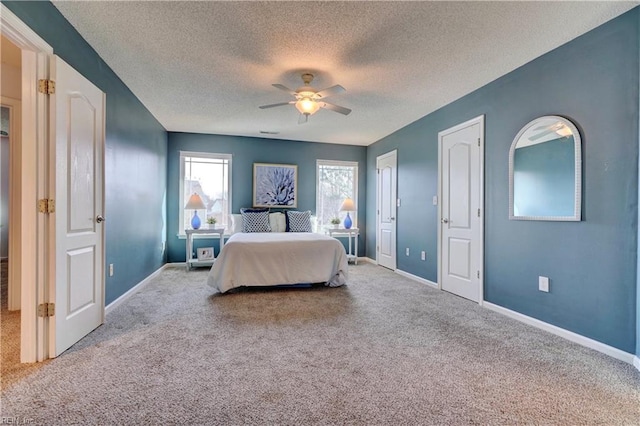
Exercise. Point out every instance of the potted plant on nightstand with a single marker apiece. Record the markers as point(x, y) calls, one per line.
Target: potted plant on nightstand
point(211, 221)
point(335, 222)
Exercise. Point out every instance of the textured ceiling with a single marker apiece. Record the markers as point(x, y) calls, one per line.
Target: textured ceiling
point(205, 67)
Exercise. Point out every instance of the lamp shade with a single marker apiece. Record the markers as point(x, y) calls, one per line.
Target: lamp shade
point(348, 205)
point(195, 202)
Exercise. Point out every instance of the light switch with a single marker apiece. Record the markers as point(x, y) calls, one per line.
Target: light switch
point(543, 284)
point(435, 200)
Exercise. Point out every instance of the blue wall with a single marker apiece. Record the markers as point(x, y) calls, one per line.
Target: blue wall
point(135, 155)
point(638, 266)
point(247, 151)
point(592, 80)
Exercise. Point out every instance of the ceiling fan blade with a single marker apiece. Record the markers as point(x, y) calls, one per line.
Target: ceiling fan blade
point(276, 105)
point(330, 91)
point(541, 134)
point(553, 127)
point(336, 108)
point(285, 88)
point(303, 118)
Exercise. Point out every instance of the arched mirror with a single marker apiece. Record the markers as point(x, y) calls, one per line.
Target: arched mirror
point(545, 171)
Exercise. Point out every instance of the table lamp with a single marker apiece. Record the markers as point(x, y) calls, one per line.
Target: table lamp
point(195, 203)
point(348, 205)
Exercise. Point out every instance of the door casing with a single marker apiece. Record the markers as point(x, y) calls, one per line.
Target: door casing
point(33, 153)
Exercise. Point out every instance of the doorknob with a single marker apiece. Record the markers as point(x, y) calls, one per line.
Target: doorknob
point(392, 218)
point(100, 218)
point(444, 220)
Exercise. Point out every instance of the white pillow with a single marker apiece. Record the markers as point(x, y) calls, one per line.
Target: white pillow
point(278, 222)
point(236, 223)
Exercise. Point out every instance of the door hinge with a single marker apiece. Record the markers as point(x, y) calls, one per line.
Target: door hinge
point(46, 205)
point(478, 141)
point(46, 309)
point(48, 87)
point(478, 274)
point(478, 212)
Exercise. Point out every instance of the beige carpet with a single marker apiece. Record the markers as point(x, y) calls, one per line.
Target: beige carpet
point(11, 370)
point(382, 350)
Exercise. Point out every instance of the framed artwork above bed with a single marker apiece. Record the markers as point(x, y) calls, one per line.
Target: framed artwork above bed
point(275, 185)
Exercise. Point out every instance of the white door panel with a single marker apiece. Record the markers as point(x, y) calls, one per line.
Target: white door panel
point(385, 243)
point(460, 258)
point(79, 173)
point(386, 220)
point(461, 195)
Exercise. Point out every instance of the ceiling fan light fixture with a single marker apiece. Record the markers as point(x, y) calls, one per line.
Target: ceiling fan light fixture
point(564, 131)
point(307, 106)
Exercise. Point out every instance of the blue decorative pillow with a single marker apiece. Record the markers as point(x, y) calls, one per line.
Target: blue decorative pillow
point(299, 221)
point(255, 220)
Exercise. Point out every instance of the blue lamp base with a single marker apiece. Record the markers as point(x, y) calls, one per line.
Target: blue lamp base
point(347, 222)
point(195, 220)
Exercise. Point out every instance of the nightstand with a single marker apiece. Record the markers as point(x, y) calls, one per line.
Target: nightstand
point(351, 233)
point(191, 262)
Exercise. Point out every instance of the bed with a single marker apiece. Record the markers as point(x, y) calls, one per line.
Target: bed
point(279, 258)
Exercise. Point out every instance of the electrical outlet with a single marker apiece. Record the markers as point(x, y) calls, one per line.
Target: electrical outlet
point(111, 269)
point(398, 202)
point(423, 255)
point(543, 284)
point(407, 251)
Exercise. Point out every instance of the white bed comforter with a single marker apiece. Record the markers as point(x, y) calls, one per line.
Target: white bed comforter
point(274, 258)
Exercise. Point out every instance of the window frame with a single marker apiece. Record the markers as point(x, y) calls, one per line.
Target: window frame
point(339, 163)
point(211, 155)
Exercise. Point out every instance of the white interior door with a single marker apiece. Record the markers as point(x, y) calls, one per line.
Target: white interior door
point(79, 130)
point(387, 166)
point(460, 215)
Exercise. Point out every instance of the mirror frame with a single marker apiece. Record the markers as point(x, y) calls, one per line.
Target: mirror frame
point(577, 208)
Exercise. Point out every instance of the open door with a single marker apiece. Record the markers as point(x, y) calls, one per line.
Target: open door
point(77, 122)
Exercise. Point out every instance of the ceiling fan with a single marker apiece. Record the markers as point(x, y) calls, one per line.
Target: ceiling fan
point(558, 128)
point(308, 100)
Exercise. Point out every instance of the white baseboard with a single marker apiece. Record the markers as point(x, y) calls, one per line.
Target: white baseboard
point(135, 289)
point(636, 362)
point(417, 278)
point(569, 335)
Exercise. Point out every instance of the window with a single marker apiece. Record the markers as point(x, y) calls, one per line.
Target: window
point(209, 175)
point(336, 181)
